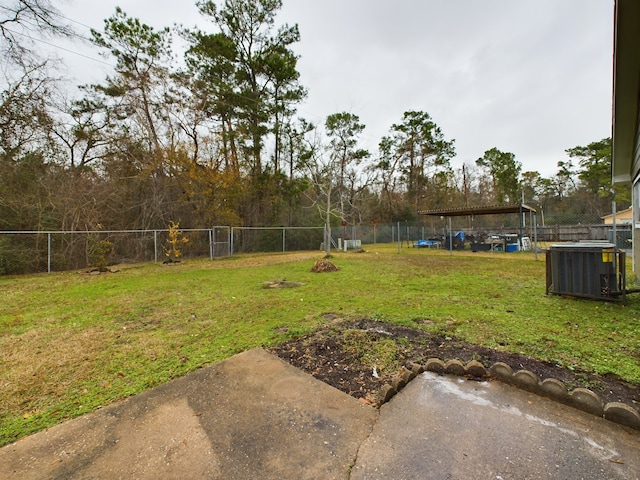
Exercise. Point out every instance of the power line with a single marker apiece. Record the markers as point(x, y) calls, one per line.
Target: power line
point(58, 47)
point(25, 21)
point(16, 12)
point(318, 118)
point(75, 21)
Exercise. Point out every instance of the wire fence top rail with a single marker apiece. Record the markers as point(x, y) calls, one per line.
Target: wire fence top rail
point(146, 230)
point(275, 228)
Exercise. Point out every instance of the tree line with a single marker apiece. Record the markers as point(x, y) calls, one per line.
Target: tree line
point(209, 134)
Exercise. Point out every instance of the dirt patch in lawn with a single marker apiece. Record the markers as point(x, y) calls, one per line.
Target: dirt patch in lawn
point(359, 357)
point(281, 284)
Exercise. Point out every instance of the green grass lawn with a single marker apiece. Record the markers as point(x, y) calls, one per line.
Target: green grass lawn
point(72, 342)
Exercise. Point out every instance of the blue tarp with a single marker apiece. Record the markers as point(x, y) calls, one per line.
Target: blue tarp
point(426, 243)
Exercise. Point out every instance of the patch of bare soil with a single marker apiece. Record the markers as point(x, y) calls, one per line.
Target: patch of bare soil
point(281, 284)
point(330, 356)
point(99, 271)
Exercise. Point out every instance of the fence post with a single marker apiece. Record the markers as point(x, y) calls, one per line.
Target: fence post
point(212, 237)
point(284, 230)
point(231, 242)
point(155, 246)
point(49, 252)
point(535, 236)
point(613, 217)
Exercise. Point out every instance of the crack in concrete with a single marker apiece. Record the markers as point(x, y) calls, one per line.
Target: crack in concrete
point(355, 457)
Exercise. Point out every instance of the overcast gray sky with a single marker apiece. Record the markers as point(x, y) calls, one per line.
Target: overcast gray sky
point(532, 77)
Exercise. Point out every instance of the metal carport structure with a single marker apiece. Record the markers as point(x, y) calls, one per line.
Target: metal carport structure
point(519, 208)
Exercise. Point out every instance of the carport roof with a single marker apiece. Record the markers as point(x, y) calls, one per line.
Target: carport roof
point(488, 210)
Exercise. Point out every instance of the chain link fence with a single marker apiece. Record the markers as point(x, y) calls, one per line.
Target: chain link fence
point(24, 252)
point(35, 252)
point(438, 230)
point(275, 239)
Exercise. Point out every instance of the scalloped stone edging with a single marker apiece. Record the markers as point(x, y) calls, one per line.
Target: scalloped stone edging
point(580, 398)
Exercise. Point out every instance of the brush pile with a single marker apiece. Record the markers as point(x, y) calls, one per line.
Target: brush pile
point(324, 265)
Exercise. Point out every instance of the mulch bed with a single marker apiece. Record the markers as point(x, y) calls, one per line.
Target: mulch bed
point(326, 356)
